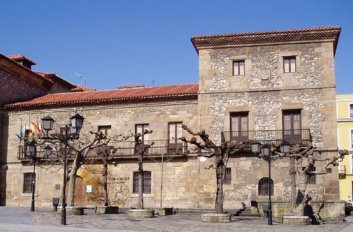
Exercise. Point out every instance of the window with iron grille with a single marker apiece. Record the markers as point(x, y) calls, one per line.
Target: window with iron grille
point(146, 183)
point(28, 179)
point(311, 178)
point(289, 64)
point(228, 176)
point(105, 129)
point(265, 186)
point(238, 67)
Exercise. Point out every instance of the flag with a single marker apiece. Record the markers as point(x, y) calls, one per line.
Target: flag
point(20, 132)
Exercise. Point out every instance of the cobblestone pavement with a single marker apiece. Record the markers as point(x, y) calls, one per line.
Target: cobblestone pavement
point(21, 219)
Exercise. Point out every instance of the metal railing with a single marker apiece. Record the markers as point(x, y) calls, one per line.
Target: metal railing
point(269, 136)
point(125, 149)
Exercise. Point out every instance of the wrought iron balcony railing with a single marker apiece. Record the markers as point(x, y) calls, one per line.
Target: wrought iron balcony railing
point(269, 136)
point(160, 147)
point(123, 149)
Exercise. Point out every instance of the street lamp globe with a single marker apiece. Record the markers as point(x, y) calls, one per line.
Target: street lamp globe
point(255, 147)
point(77, 122)
point(284, 147)
point(47, 123)
point(266, 150)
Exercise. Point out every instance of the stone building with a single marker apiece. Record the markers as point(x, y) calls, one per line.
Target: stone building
point(264, 86)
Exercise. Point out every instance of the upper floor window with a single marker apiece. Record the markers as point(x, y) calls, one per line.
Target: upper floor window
point(175, 131)
point(239, 126)
point(105, 129)
point(265, 186)
point(351, 110)
point(289, 64)
point(352, 139)
point(292, 126)
point(238, 67)
point(140, 128)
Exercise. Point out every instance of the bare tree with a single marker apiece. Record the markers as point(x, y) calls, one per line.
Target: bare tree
point(141, 149)
point(302, 160)
point(220, 153)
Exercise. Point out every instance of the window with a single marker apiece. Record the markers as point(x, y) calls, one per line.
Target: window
point(239, 126)
point(228, 176)
point(312, 178)
point(175, 132)
point(289, 64)
point(238, 67)
point(105, 129)
point(140, 128)
point(265, 186)
point(28, 182)
point(146, 183)
point(292, 126)
point(352, 139)
point(351, 110)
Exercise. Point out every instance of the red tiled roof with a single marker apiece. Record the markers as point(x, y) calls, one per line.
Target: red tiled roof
point(316, 33)
point(21, 57)
point(172, 92)
point(79, 88)
point(54, 78)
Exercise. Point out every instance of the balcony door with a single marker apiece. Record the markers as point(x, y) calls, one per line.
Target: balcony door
point(292, 127)
point(175, 132)
point(140, 128)
point(239, 127)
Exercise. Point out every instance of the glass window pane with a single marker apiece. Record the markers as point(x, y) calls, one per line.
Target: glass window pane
point(235, 68)
point(286, 65)
point(244, 126)
point(351, 111)
point(235, 126)
point(179, 131)
point(171, 133)
point(292, 64)
point(241, 68)
point(351, 138)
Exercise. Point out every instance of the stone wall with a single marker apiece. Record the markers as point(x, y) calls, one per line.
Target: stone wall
point(179, 174)
point(15, 89)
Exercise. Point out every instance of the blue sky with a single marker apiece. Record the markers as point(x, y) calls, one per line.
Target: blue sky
point(114, 42)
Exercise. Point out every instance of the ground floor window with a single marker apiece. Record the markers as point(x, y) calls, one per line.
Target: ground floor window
point(265, 186)
point(228, 176)
point(28, 180)
point(146, 183)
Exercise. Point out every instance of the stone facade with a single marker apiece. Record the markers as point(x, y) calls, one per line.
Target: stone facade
point(264, 92)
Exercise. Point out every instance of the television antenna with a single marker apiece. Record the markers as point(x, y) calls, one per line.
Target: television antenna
point(83, 79)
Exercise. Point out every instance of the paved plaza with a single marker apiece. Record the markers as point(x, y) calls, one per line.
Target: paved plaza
point(21, 219)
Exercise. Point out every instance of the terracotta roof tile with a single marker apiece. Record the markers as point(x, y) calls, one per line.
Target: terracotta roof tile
point(174, 92)
point(316, 33)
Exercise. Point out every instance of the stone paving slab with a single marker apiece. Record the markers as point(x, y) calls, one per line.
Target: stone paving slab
point(47, 220)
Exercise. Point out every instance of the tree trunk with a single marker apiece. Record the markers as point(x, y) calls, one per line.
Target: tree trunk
point(72, 179)
point(141, 180)
point(220, 173)
point(293, 184)
point(105, 181)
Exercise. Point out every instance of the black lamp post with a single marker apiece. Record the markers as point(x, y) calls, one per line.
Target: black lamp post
point(266, 152)
point(32, 152)
point(71, 131)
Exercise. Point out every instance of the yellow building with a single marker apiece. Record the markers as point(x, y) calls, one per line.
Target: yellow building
point(345, 141)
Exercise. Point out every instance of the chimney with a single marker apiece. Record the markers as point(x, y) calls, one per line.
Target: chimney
point(22, 60)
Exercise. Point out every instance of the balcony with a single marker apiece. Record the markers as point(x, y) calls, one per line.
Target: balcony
point(159, 148)
point(123, 149)
point(269, 136)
